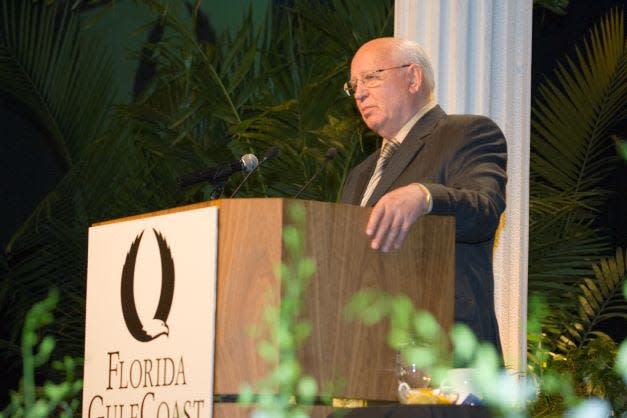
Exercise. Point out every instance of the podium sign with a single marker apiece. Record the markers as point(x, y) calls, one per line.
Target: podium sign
point(150, 318)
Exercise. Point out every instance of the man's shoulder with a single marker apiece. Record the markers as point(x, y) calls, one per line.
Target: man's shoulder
point(437, 118)
point(469, 124)
point(468, 119)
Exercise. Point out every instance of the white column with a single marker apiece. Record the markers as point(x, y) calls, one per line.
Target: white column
point(481, 53)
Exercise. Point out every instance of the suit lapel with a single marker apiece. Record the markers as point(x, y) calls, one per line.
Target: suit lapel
point(406, 153)
point(361, 182)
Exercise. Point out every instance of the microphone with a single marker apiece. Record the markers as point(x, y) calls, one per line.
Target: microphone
point(328, 156)
point(220, 173)
point(271, 153)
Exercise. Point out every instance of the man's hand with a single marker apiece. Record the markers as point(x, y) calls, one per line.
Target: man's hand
point(394, 214)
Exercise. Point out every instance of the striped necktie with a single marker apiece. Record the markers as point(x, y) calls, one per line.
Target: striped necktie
point(389, 147)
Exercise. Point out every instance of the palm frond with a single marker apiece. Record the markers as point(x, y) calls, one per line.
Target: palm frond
point(572, 119)
point(597, 299)
point(111, 179)
point(368, 20)
point(555, 6)
point(46, 65)
point(280, 86)
point(571, 155)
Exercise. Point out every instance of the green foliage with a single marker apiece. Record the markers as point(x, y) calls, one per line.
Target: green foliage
point(415, 334)
point(586, 371)
point(50, 399)
point(598, 300)
point(572, 119)
point(278, 86)
point(621, 357)
point(574, 348)
point(44, 65)
point(593, 369)
point(286, 392)
point(555, 6)
point(621, 147)
point(422, 341)
point(557, 384)
point(48, 64)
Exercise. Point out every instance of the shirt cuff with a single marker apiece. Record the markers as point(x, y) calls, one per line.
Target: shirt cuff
point(429, 200)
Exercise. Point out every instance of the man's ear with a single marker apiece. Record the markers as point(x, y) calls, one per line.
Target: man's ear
point(415, 78)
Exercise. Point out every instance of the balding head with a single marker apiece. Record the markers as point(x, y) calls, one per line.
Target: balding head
point(404, 50)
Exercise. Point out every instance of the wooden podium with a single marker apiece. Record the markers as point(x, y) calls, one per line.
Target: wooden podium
point(250, 247)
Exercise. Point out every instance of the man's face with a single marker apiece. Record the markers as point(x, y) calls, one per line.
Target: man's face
point(388, 105)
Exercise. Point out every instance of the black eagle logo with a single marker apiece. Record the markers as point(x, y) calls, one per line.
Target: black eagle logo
point(157, 325)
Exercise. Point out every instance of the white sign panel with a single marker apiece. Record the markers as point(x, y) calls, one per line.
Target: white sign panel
point(150, 320)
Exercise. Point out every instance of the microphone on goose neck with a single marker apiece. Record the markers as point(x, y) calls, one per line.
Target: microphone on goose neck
point(271, 153)
point(220, 173)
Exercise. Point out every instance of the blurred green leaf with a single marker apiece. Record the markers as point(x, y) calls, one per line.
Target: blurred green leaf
point(464, 343)
point(621, 361)
point(246, 394)
point(426, 327)
point(307, 389)
point(622, 148)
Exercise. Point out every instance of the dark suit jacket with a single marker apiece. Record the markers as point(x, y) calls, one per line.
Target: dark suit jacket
point(461, 159)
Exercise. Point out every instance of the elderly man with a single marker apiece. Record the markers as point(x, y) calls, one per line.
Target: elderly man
point(430, 162)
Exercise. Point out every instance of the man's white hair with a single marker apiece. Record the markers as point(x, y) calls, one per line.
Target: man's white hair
point(411, 52)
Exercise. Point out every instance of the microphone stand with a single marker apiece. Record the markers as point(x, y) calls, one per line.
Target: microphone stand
point(239, 186)
point(330, 155)
point(217, 191)
point(218, 186)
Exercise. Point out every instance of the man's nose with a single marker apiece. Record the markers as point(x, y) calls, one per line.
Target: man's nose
point(361, 92)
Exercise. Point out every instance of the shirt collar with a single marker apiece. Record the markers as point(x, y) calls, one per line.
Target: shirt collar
point(402, 133)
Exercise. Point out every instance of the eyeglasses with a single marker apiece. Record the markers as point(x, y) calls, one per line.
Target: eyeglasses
point(370, 79)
